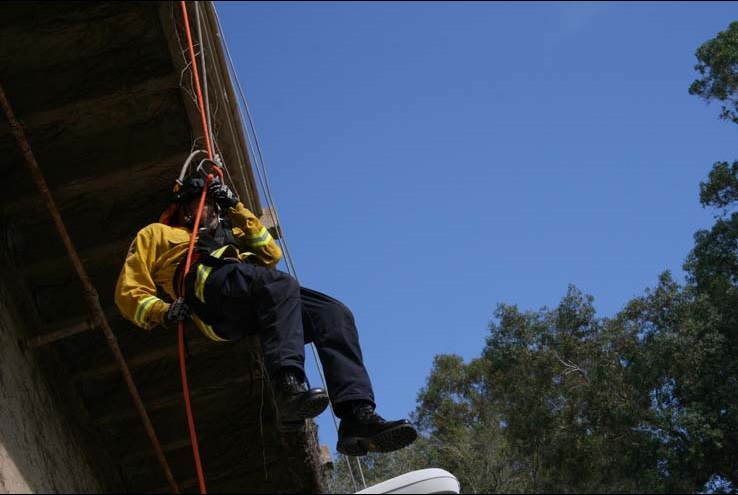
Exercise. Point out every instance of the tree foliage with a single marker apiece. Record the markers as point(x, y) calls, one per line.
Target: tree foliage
point(717, 63)
point(721, 188)
point(708, 387)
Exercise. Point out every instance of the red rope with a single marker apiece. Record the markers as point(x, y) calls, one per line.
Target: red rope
point(182, 367)
point(197, 80)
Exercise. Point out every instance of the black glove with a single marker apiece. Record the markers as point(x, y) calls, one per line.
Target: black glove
point(222, 194)
point(177, 311)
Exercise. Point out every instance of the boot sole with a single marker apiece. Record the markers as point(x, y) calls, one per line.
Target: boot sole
point(387, 441)
point(308, 408)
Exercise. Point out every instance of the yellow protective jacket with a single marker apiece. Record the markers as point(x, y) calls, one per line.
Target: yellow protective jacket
point(157, 251)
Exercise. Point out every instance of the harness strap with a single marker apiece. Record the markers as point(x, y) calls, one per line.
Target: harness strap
point(195, 280)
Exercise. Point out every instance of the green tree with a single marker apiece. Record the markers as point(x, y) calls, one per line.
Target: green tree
point(573, 400)
point(559, 402)
point(706, 388)
point(655, 324)
point(717, 64)
point(464, 433)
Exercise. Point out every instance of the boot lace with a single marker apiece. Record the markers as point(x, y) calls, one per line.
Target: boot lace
point(365, 414)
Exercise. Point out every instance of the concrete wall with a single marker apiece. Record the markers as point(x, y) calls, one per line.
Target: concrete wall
point(40, 451)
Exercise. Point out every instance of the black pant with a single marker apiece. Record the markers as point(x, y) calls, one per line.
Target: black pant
point(244, 299)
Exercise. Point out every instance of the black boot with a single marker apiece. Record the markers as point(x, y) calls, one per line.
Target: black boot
point(364, 431)
point(295, 402)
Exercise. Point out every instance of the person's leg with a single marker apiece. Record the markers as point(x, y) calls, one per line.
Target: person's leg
point(330, 325)
point(254, 299)
point(250, 299)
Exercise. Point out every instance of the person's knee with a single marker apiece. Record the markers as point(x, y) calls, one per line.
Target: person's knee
point(285, 284)
point(343, 310)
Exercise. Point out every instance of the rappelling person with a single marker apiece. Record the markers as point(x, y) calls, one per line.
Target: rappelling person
point(233, 290)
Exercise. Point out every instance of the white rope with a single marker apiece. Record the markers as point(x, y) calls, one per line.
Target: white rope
point(237, 149)
point(188, 89)
point(258, 161)
point(260, 170)
point(204, 70)
point(186, 64)
point(266, 189)
point(205, 45)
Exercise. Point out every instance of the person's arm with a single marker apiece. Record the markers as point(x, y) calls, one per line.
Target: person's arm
point(135, 292)
point(253, 236)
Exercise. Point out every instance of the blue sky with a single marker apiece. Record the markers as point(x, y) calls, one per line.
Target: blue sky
point(430, 160)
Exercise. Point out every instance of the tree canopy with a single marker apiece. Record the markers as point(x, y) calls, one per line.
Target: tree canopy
point(718, 64)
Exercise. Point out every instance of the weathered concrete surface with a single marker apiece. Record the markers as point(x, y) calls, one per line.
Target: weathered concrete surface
point(38, 453)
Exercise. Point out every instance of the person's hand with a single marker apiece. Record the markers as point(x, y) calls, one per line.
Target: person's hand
point(222, 194)
point(177, 311)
